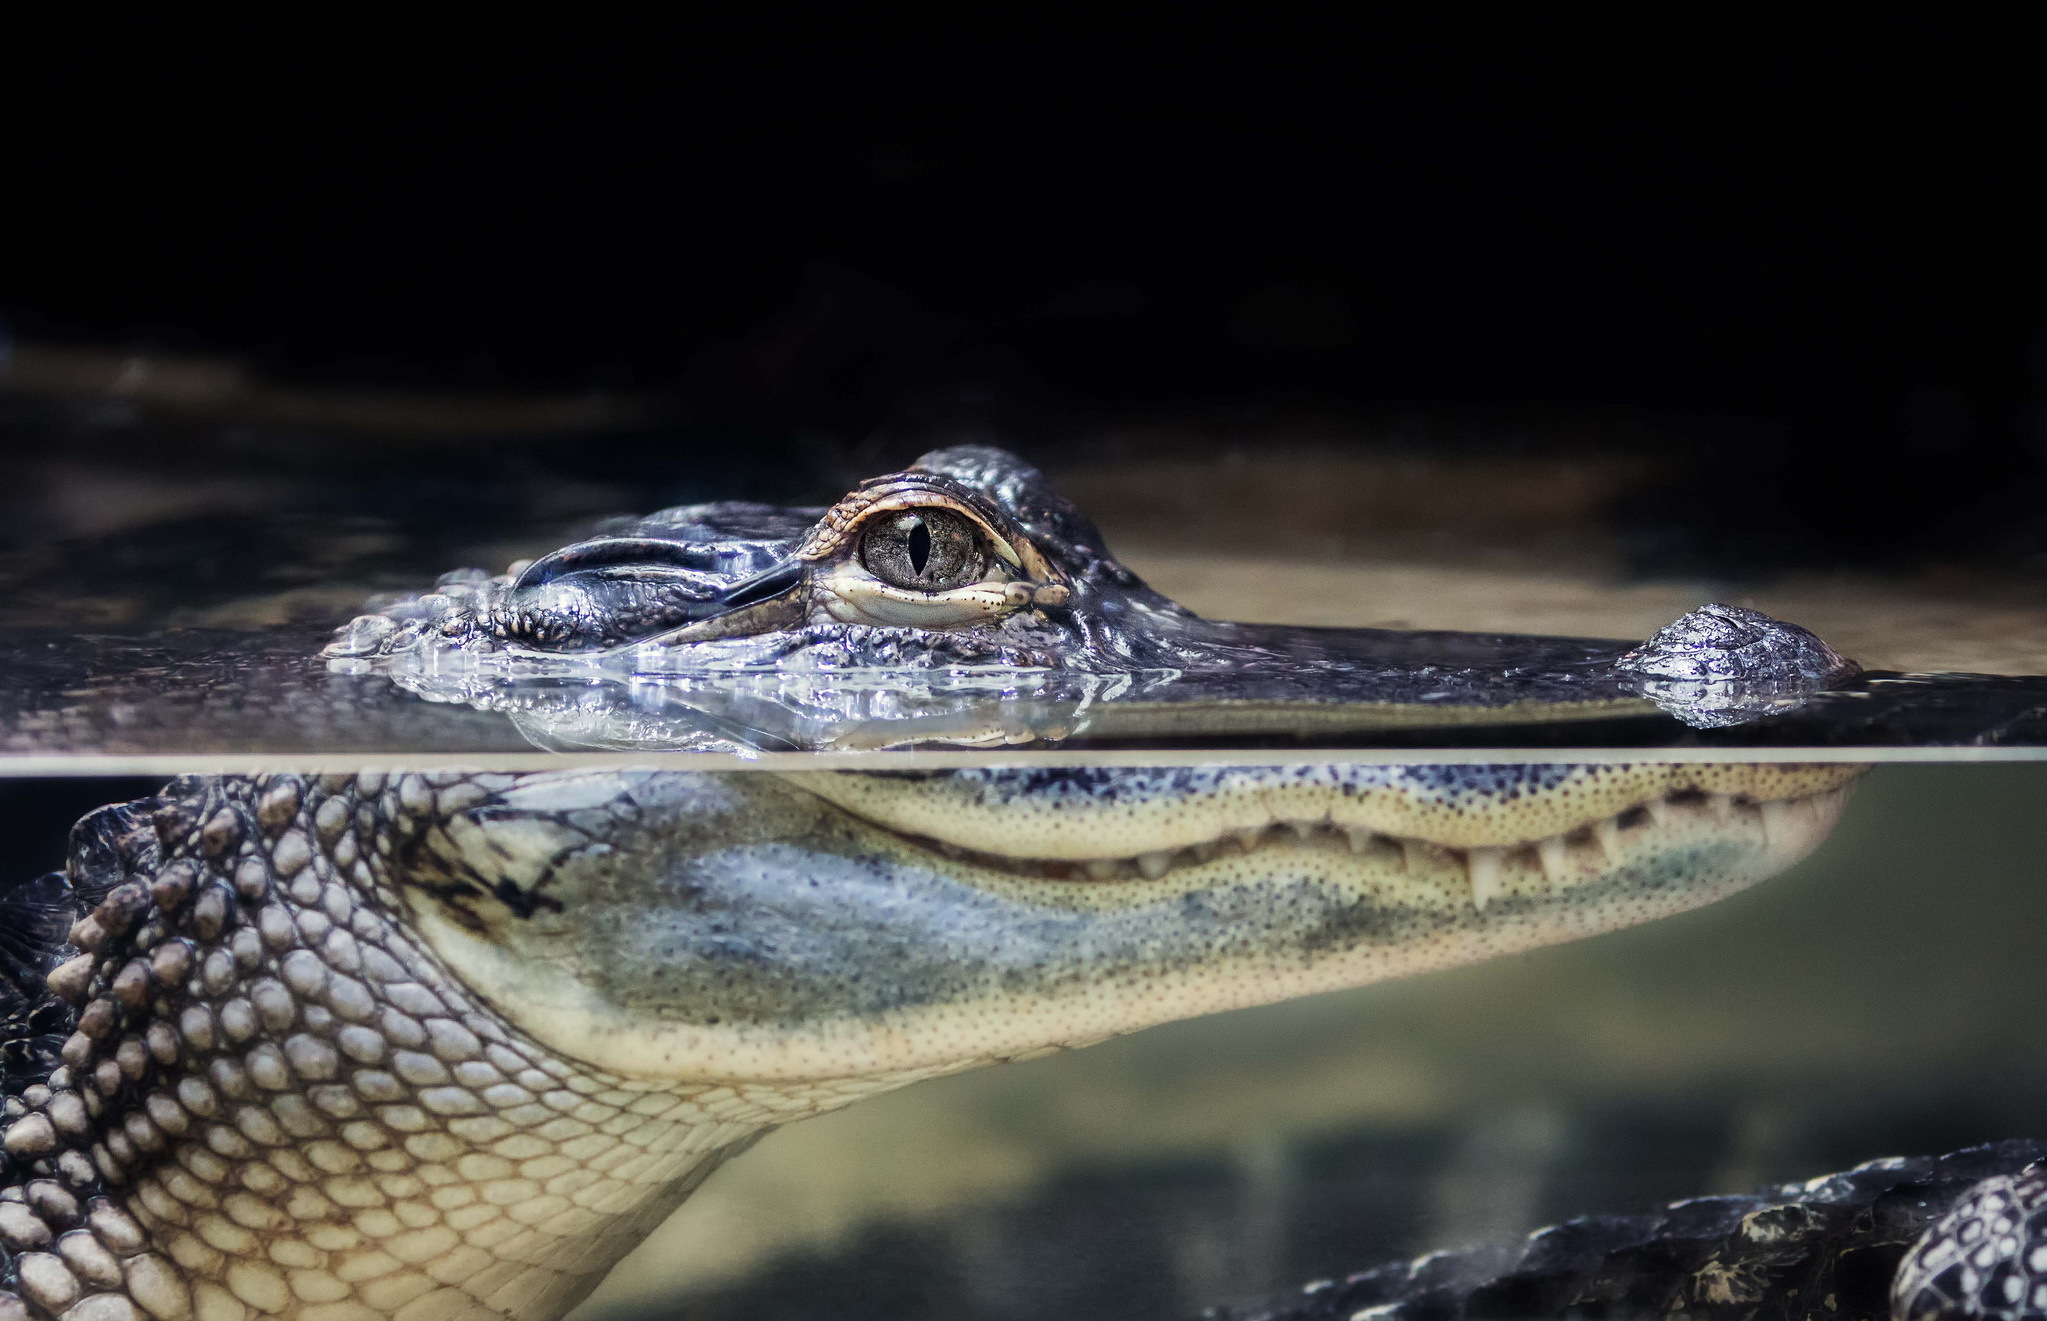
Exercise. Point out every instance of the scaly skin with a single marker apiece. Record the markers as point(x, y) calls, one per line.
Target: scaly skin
point(278, 1101)
point(296, 1088)
point(446, 1046)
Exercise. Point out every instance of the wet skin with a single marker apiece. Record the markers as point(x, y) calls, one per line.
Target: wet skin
point(429, 1046)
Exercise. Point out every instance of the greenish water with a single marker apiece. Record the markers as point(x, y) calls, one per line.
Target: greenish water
point(1885, 997)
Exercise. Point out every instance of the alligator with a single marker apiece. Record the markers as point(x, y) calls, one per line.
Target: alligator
point(430, 1046)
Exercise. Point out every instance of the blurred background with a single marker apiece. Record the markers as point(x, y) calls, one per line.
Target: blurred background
point(1620, 300)
point(1532, 324)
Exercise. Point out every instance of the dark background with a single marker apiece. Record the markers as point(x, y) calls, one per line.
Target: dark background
point(1805, 261)
point(1809, 258)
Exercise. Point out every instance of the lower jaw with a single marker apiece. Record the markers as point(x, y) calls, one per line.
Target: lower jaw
point(1296, 919)
point(1353, 924)
point(1687, 865)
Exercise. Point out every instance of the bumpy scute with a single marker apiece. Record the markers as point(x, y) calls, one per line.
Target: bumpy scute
point(271, 1101)
point(254, 1087)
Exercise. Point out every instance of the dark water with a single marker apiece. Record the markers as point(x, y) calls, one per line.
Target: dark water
point(1169, 1239)
point(165, 582)
point(1880, 999)
point(205, 693)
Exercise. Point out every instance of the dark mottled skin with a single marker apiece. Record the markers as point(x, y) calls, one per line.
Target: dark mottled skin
point(1828, 1249)
point(240, 1079)
point(675, 567)
point(1094, 784)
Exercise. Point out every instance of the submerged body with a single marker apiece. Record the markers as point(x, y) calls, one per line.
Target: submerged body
point(447, 1046)
point(440, 1046)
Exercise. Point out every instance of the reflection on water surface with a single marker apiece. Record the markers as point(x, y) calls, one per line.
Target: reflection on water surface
point(1858, 1006)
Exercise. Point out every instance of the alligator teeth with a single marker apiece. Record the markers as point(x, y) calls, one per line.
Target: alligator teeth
point(1782, 823)
point(1608, 832)
point(1485, 875)
point(1777, 820)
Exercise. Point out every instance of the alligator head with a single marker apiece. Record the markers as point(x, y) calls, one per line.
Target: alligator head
point(345, 1047)
point(971, 563)
point(330, 1047)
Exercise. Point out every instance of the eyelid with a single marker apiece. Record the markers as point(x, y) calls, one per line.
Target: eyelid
point(852, 596)
point(915, 500)
point(846, 519)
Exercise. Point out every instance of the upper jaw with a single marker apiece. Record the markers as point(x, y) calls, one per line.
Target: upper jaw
point(1787, 827)
point(1082, 814)
point(661, 583)
point(738, 927)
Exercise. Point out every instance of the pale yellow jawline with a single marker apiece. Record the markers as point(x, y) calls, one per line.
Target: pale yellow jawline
point(980, 1028)
point(1560, 859)
point(1148, 838)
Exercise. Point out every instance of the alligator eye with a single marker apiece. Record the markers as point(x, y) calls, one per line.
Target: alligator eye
point(923, 550)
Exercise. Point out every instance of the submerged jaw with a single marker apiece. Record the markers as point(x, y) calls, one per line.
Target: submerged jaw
point(739, 928)
point(1787, 828)
point(1086, 815)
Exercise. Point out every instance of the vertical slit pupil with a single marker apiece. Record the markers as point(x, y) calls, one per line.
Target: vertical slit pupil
point(920, 546)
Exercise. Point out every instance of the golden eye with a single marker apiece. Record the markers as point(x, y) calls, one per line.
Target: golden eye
point(923, 550)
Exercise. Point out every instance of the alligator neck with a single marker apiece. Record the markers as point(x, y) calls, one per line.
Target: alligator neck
point(275, 1103)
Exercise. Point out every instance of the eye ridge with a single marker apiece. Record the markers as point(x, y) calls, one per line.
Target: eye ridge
point(924, 550)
